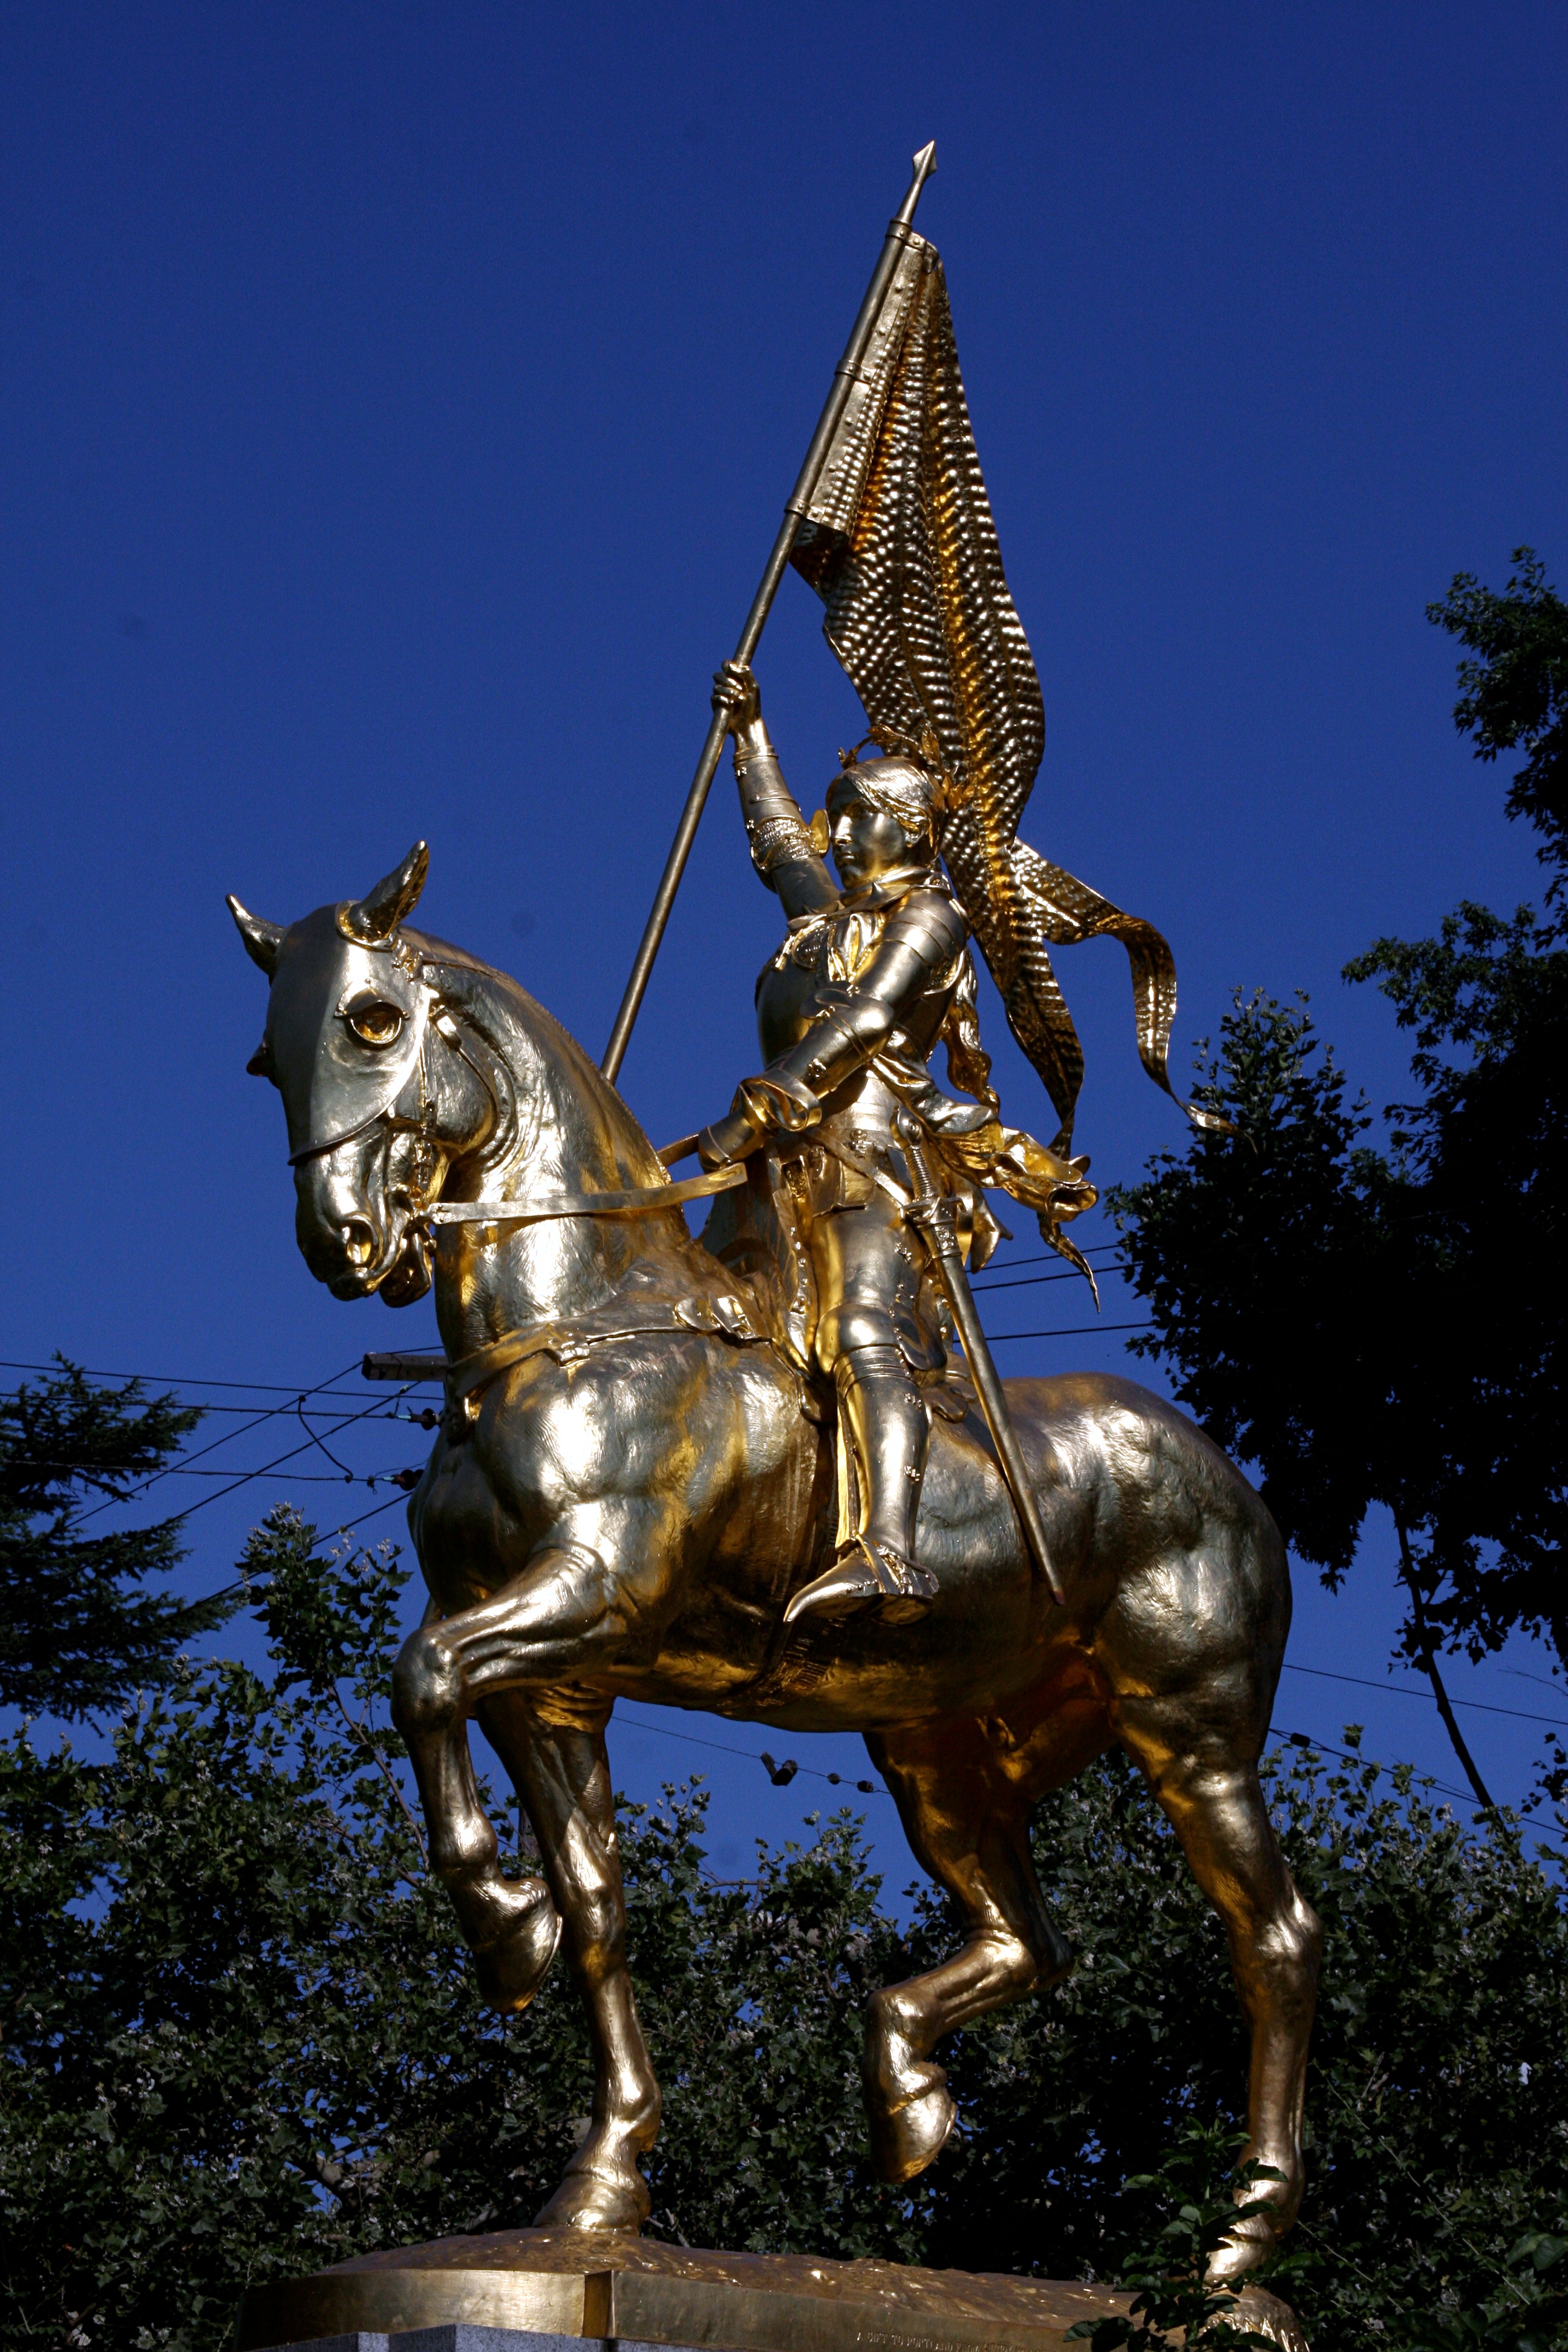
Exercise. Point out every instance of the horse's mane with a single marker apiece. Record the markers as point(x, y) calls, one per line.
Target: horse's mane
point(534, 1043)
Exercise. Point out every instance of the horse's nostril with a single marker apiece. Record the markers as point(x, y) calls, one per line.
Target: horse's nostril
point(359, 1242)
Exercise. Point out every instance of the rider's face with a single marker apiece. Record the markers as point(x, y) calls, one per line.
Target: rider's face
point(866, 841)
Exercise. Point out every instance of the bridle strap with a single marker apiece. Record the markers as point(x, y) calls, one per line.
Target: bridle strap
point(490, 1071)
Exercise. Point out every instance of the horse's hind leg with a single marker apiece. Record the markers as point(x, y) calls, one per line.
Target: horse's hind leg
point(1213, 1799)
point(563, 1775)
point(968, 1823)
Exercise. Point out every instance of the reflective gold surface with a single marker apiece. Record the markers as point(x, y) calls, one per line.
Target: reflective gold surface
point(573, 2283)
point(749, 1474)
point(628, 1509)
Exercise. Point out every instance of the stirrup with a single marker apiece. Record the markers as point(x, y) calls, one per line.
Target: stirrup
point(867, 1575)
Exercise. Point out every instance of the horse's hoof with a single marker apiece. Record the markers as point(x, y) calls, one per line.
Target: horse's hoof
point(598, 2196)
point(513, 1964)
point(1245, 2245)
point(908, 2137)
point(1267, 2316)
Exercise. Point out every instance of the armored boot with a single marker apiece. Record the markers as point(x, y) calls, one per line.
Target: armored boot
point(886, 1426)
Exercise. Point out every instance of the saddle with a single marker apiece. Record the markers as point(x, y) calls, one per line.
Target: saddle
point(758, 1235)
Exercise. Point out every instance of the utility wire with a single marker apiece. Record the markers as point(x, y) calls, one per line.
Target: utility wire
point(1364, 1763)
point(782, 1774)
point(1072, 1331)
point(347, 1422)
point(183, 1381)
point(266, 1469)
point(301, 1477)
point(1411, 1690)
point(243, 1584)
point(982, 1287)
point(182, 1469)
point(1053, 1257)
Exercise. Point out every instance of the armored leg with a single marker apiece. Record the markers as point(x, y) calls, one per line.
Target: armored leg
point(888, 1432)
point(886, 1427)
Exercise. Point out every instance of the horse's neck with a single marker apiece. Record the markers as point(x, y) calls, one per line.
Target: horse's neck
point(573, 1134)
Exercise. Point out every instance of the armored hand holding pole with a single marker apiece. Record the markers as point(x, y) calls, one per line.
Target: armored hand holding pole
point(844, 379)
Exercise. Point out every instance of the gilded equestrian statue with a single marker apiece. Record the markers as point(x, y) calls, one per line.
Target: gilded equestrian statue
point(637, 1472)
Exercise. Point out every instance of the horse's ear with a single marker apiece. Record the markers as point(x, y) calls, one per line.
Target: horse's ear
point(262, 939)
point(377, 917)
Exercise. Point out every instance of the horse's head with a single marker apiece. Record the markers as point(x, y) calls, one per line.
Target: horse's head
point(382, 1085)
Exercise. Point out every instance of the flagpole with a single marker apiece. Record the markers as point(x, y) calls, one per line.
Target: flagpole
point(843, 379)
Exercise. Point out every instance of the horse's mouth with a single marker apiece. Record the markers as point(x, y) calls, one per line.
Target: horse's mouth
point(352, 1259)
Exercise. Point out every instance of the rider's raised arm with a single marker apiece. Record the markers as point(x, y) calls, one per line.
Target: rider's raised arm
point(781, 848)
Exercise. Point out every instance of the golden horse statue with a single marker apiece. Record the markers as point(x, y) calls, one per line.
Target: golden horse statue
point(630, 1481)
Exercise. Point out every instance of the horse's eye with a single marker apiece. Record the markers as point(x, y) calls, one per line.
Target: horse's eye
point(377, 1023)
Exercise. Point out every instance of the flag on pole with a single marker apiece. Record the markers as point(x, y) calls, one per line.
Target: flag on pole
point(900, 543)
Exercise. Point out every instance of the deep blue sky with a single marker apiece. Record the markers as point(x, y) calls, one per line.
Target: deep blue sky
point(397, 403)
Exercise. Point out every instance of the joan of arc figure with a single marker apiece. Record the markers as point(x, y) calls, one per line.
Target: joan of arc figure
point(873, 972)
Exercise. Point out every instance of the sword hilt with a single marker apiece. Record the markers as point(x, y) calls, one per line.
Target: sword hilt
point(927, 1196)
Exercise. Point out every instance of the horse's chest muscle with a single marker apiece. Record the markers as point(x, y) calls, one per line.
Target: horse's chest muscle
point(666, 1467)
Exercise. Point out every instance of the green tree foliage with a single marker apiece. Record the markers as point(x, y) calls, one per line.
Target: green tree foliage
point(1303, 1296)
point(1389, 1327)
point(1488, 1154)
point(241, 2038)
point(1276, 1290)
point(1514, 692)
point(78, 1636)
point(1177, 2305)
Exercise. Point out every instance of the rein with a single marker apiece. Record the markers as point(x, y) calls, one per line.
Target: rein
point(721, 1316)
point(724, 1318)
point(584, 1205)
point(490, 1071)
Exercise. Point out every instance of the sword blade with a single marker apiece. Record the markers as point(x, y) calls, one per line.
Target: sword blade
point(931, 1213)
point(994, 1406)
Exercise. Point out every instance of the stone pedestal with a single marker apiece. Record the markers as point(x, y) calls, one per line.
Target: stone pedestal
point(562, 2289)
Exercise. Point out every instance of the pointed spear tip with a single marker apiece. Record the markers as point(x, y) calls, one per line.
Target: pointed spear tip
point(924, 160)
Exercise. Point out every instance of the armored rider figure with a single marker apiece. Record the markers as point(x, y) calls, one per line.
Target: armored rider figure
point(872, 973)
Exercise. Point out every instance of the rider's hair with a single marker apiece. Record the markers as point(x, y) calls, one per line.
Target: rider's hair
point(907, 782)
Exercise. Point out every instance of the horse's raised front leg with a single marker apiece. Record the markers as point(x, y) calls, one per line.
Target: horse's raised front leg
point(501, 1659)
point(968, 1824)
point(564, 1778)
point(1211, 1795)
point(448, 1667)
point(510, 1925)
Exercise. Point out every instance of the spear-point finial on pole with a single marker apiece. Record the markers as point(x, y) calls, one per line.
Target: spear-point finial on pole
point(925, 164)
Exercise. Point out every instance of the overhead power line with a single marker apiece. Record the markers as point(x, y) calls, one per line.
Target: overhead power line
point(1413, 1690)
point(188, 1381)
point(983, 1285)
point(1072, 1331)
point(782, 1774)
point(1362, 1763)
